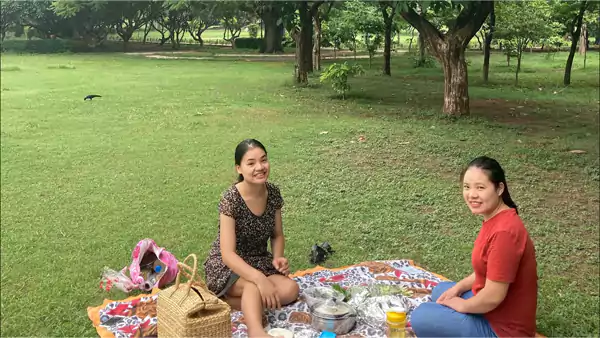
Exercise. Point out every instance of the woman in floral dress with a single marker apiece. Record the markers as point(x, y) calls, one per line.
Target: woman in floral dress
point(239, 268)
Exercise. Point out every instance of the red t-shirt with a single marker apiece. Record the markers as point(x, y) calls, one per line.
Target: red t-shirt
point(503, 252)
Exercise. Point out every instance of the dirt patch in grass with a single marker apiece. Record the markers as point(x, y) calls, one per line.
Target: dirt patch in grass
point(502, 111)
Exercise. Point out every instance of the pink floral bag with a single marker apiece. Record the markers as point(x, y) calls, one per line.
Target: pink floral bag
point(146, 254)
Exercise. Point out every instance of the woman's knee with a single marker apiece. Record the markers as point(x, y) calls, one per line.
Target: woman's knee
point(237, 289)
point(423, 318)
point(437, 290)
point(419, 316)
point(287, 289)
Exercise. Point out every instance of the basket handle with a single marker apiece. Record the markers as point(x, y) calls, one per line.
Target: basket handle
point(182, 266)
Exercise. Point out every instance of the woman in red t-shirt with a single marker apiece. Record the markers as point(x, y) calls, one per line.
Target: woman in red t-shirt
point(499, 299)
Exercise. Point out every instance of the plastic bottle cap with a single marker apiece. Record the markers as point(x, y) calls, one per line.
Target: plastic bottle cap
point(396, 315)
point(157, 268)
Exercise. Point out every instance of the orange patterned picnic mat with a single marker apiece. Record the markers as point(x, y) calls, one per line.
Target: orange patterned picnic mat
point(136, 316)
point(131, 317)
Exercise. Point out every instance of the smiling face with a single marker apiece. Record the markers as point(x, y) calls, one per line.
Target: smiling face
point(480, 194)
point(254, 166)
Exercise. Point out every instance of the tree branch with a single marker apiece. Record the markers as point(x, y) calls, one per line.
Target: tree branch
point(420, 24)
point(475, 17)
point(315, 7)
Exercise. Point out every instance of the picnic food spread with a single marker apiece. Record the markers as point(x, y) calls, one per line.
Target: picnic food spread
point(180, 304)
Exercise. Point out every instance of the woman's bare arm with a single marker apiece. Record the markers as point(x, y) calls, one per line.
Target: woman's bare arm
point(230, 257)
point(278, 240)
point(466, 283)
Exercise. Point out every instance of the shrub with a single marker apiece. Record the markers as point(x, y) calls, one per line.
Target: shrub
point(338, 75)
point(248, 43)
point(253, 30)
point(46, 46)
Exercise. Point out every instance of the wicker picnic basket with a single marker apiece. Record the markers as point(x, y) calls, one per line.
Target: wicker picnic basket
point(190, 309)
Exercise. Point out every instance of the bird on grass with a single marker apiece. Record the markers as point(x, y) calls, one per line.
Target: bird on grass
point(90, 97)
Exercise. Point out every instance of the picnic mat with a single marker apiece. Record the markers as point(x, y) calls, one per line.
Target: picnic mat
point(296, 317)
point(131, 317)
point(136, 316)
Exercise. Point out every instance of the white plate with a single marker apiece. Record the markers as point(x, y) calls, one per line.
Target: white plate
point(281, 332)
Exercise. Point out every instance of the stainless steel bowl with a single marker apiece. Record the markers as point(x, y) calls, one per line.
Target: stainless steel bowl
point(334, 316)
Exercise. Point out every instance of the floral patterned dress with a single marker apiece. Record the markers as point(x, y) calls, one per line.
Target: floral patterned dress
point(252, 236)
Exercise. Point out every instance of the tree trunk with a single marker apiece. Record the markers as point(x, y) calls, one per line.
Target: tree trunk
point(456, 82)
point(575, 37)
point(317, 47)
point(306, 34)
point(479, 42)
point(388, 20)
point(487, 46)
point(520, 54)
point(126, 42)
point(147, 29)
point(387, 49)
point(449, 49)
point(421, 50)
point(582, 38)
point(273, 32)
point(303, 37)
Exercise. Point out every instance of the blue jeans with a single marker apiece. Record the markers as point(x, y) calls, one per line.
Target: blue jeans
point(435, 320)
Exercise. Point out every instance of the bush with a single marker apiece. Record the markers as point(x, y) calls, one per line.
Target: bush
point(19, 31)
point(46, 46)
point(288, 41)
point(51, 46)
point(248, 43)
point(428, 62)
point(338, 75)
point(253, 30)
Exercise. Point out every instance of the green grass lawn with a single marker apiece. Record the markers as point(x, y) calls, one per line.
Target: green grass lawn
point(83, 182)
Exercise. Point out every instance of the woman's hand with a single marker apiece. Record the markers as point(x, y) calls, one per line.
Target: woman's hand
point(450, 293)
point(268, 293)
point(456, 303)
point(281, 264)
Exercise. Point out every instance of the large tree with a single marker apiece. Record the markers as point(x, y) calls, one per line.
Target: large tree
point(521, 23)
point(449, 47)
point(234, 15)
point(388, 10)
point(570, 14)
point(201, 15)
point(10, 11)
point(273, 14)
point(322, 14)
point(488, 36)
point(92, 19)
point(130, 16)
point(302, 32)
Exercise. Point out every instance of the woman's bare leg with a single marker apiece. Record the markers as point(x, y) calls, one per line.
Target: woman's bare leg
point(234, 302)
point(287, 289)
point(251, 305)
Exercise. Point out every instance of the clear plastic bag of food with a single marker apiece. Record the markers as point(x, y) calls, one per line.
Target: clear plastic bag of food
point(372, 310)
point(117, 279)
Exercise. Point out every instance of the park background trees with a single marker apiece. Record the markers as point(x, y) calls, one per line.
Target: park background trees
point(445, 30)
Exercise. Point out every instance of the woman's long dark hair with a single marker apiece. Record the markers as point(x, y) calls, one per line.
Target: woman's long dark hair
point(241, 150)
point(495, 174)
